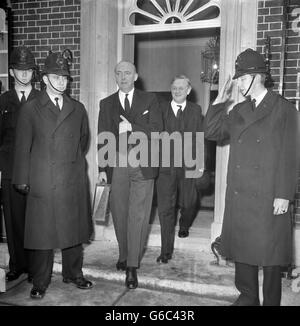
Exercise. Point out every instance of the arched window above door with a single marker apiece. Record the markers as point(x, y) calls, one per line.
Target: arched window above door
point(165, 15)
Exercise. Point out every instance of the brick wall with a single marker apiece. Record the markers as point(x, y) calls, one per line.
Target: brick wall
point(44, 25)
point(270, 21)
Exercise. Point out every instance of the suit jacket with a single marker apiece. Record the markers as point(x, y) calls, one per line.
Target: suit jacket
point(145, 116)
point(192, 123)
point(262, 166)
point(9, 111)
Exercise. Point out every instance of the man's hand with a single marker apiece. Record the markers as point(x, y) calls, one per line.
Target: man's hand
point(280, 206)
point(225, 92)
point(102, 177)
point(23, 189)
point(124, 125)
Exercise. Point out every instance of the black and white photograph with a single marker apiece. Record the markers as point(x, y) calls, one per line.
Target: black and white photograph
point(149, 155)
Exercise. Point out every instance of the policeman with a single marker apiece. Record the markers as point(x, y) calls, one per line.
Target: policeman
point(51, 142)
point(263, 133)
point(22, 69)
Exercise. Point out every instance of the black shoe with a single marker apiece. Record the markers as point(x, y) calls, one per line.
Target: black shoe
point(37, 293)
point(121, 265)
point(183, 233)
point(80, 282)
point(12, 275)
point(164, 258)
point(131, 278)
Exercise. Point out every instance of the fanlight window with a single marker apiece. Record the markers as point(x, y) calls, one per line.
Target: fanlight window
point(166, 12)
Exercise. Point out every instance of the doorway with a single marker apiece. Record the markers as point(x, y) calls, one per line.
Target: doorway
point(158, 58)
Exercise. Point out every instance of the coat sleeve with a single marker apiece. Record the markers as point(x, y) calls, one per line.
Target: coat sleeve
point(155, 123)
point(288, 163)
point(84, 133)
point(217, 123)
point(23, 142)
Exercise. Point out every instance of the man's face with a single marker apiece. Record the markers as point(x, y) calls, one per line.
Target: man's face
point(22, 77)
point(244, 83)
point(55, 84)
point(125, 76)
point(180, 89)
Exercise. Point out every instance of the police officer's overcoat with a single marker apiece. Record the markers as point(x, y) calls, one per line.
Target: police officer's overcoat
point(50, 158)
point(262, 166)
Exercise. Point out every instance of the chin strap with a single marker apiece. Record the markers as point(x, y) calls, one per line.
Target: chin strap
point(59, 91)
point(250, 86)
point(19, 81)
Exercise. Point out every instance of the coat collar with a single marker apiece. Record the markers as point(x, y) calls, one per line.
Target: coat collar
point(264, 108)
point(67, 108)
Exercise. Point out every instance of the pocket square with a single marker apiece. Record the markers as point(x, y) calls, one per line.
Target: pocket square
point(145, 112)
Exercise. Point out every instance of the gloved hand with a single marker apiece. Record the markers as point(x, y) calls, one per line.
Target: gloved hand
point(23, 189)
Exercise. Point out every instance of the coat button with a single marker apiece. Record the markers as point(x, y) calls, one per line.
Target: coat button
point(238, 166)
point(256, 167)
point(235, 192)
point(258, 140)
point(239, 141)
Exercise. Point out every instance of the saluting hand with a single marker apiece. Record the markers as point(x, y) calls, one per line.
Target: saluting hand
point(225, 92)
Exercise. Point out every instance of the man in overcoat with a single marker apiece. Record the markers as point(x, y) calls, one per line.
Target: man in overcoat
point(263, 133)
point(50, 166)
point(173, 186)
point(22, 69)
point(129, 111)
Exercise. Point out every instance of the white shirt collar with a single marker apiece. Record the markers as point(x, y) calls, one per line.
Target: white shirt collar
point(122, 96)
point(60, 100)
point(175, 106)
point(27, 91)
point(260, 97)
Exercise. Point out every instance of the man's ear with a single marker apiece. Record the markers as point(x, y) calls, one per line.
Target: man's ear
point(136, 77)
point(11, 72)
point(189, 90)
point(45, 79)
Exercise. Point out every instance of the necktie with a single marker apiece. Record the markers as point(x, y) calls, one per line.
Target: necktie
point(179, 116)
point(23, 98)
point(253, 102)
point(57, 105)
point(126, 104)
point(179, 112)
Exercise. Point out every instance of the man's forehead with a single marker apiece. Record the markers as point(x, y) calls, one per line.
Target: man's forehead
point(180, 82)
point(125, 66)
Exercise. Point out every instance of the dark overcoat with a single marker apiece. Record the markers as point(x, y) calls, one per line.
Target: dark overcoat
point(262, 166)
point(9, 111)
point(50, 157)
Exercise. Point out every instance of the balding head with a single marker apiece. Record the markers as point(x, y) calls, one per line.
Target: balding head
point(125, 73)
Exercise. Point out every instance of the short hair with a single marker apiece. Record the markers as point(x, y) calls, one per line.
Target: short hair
point(182, 77)
point(128, 62)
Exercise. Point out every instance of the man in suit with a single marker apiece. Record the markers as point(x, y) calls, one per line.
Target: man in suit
point(263, 133)
point(22, 69)
point(173, 185)
point(125, 113)
point(50, 167)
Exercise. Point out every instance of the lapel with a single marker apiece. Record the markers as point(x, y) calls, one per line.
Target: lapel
point(115, 110)
point(67, 109)
point(248, 117)
point(32, 94)
point(137, 106)
point(14, 100)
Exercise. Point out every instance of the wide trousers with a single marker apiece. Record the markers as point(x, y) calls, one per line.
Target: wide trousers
point(14, 206)
point(246, 281)
point(42, 265)
point(173, 189)
point(130, 204)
